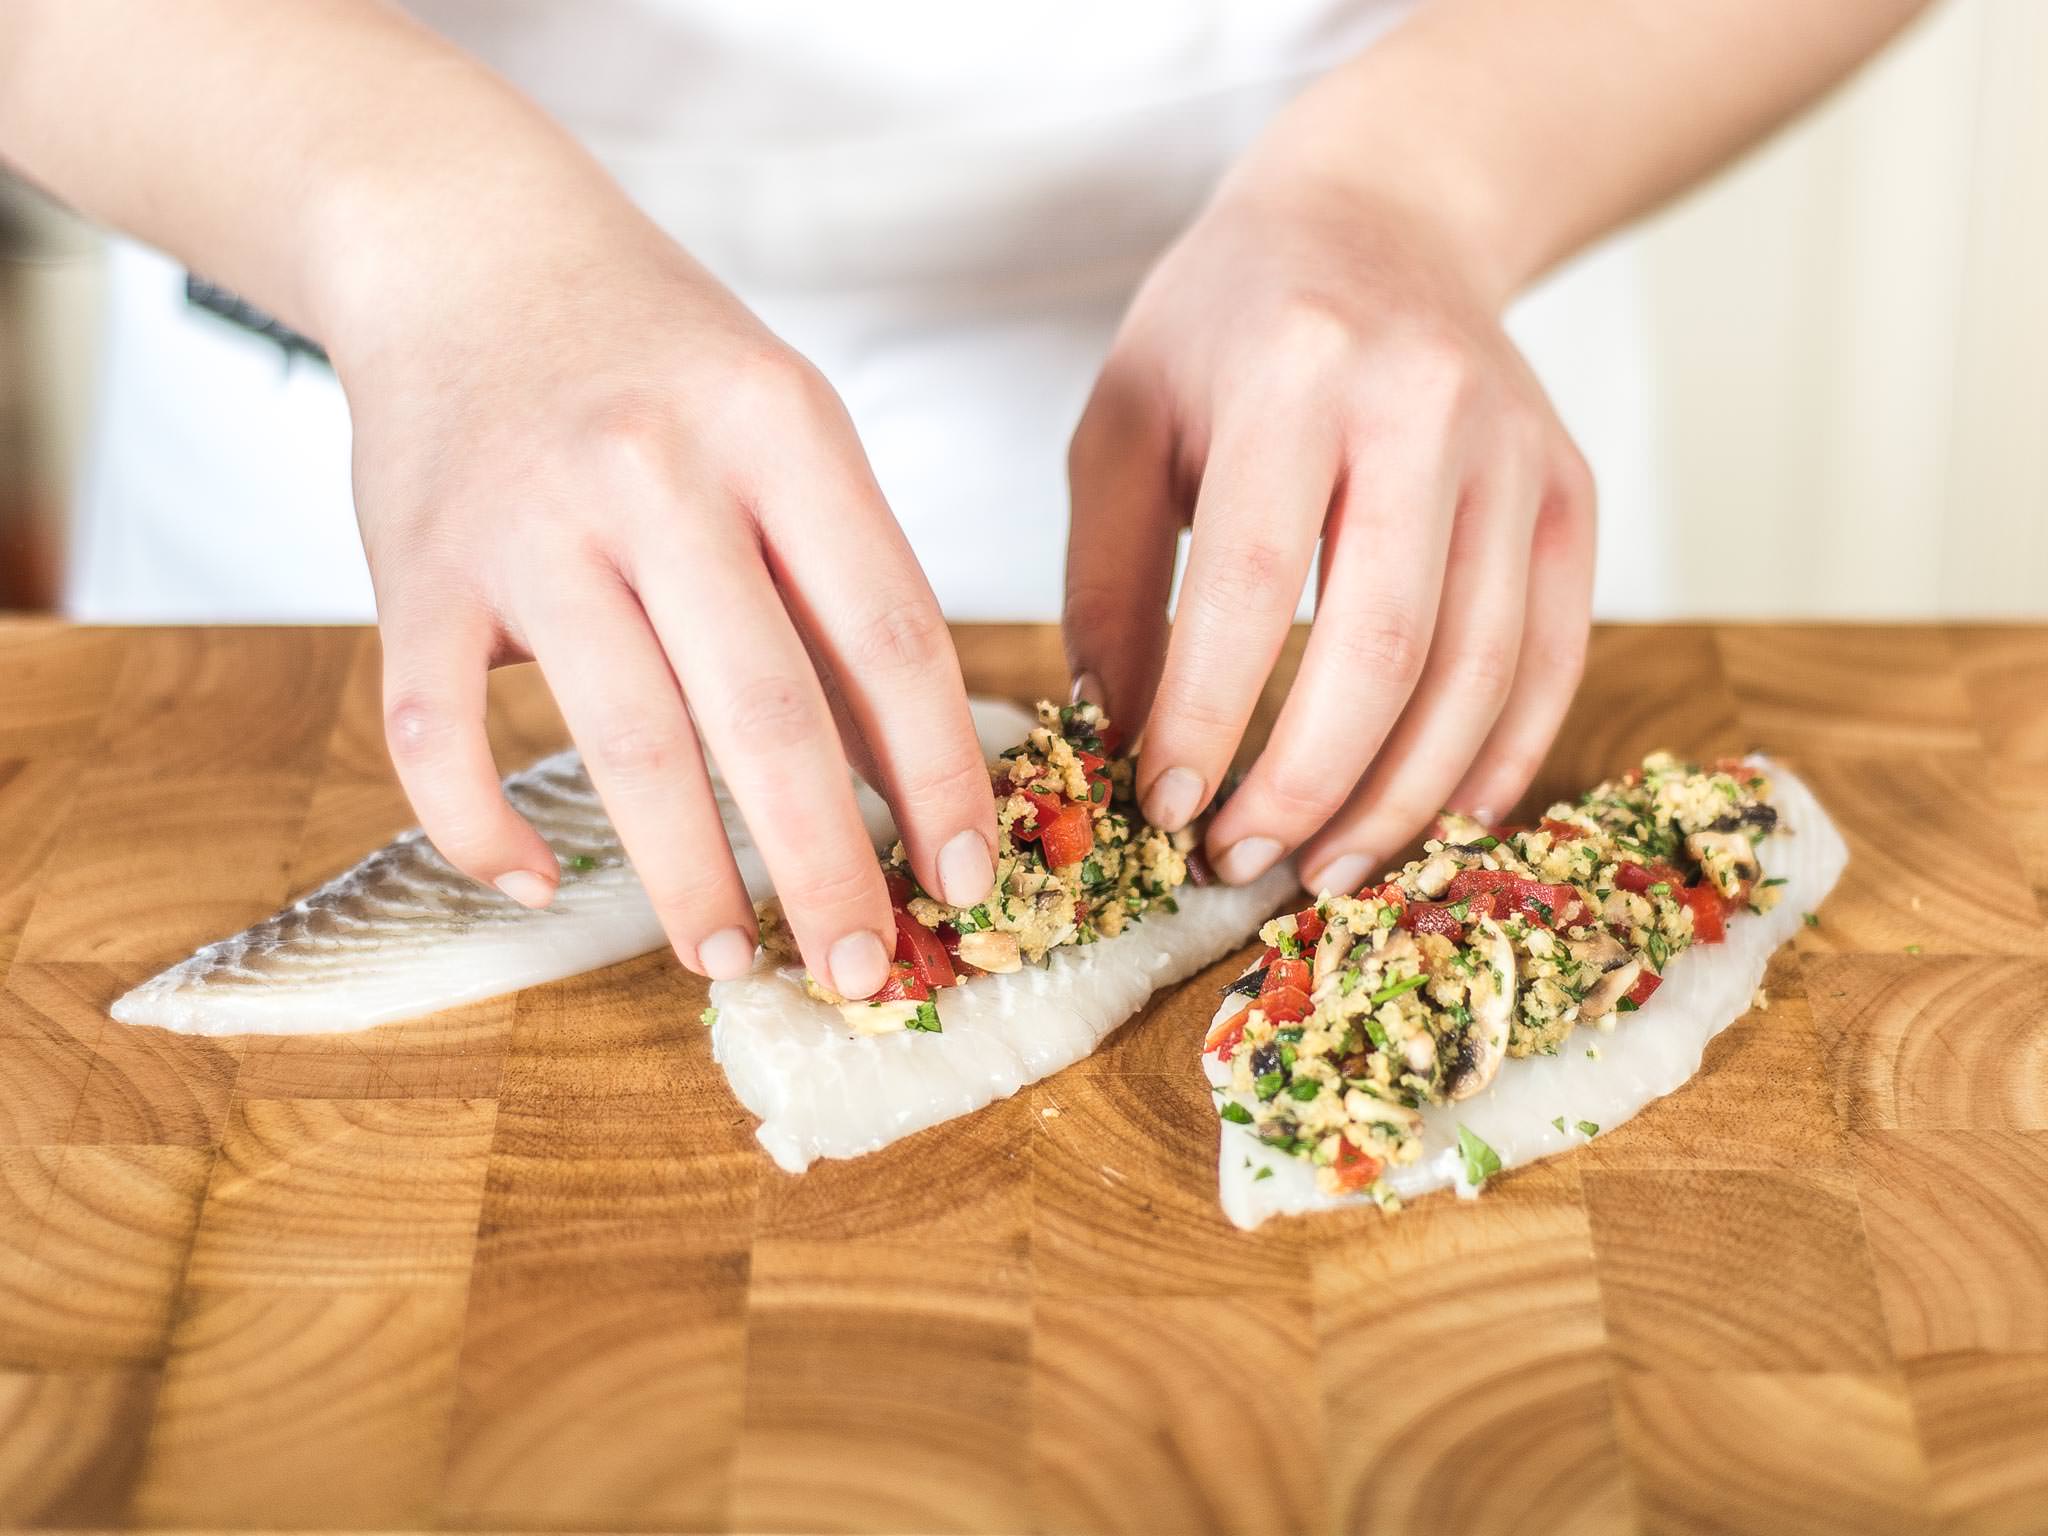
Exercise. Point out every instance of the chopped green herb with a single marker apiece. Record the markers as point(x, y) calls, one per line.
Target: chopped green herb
point(1394, 989)
point(582, 861)
point(1289, 945)
point(1347, 981)
point(1304, 1090)
point(1091, 873)
point(1658, 948)
point(1097, 790)
point(1481, 1161)
point(1379, 1036)
point(1461, 909)
point(926, 1019)
point(1912, 949)
point(1289, 1055)
point(1812, 919)
point(1264, 1173)
point(1169, 904)
point(1627, 1005)
point(1388, 917)
point(1266, 1084)
point(708, 1017)
point(1775, 880)
point(981, 917)
point(1559, 1123)
point(1484, 843)
point(1236, 1113)
point(1587, 1129)
point(1661, 888)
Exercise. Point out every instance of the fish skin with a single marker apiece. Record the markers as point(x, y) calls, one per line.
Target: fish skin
point(405, 933)
point(1651, 1052)
point(822, 1091)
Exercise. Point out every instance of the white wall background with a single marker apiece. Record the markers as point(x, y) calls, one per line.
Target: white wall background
point(1851, 342)
point(1850, 345)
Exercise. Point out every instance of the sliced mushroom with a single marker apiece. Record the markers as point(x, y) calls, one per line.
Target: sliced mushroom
point(1485, 1041)
point(991, 949)
point(1371, 1109)
point(1609, 990)
point(1727, 858)
point(1331, 949)
point(1603, 951)
point(877, 1018)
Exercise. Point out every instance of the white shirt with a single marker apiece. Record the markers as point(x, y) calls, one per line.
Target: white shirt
point(945, 208)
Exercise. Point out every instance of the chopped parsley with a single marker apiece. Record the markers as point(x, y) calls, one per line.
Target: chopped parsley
point(926, 1019)
point(1236, 1113)
point(1264, 1173)
point(1267, 1084)
point(1559, 1123)
point(582, 861)
point(708, 1017)
point(1304, 1089)
point(1482, 844)
point(1812, 919)
point(1587, 1129)
point(1481, 1161)
point(1394, 989)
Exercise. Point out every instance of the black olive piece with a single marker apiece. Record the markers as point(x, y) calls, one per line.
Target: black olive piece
point(1248, 984)
point(1266, 1059)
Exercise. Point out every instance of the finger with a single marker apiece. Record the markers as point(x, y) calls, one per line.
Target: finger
point(1464, 684)
point(1382, 574)
point(887, 653)
point(1123, 533)
point(764, 716)
point(622, 706)
point(1553, 649)
point(1266, 489)
point(435, 663)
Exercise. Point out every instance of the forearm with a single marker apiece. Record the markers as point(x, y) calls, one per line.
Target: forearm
point(1529, 130)
point(326, 158)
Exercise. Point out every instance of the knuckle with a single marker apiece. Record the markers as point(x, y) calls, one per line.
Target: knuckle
point(1387, 646)
point(1198, 716)
point(907, 636)
point(419, 727)
point(1301, 797)
point(635, 434)
point(772, 715)
point(1484, 666)
point(1577, 489)
point(1317, 333)
point(834, 886)
point(771, 383)
point(1092, 608)
point(1437, 371)
point(633, 751)
point(1246, 572)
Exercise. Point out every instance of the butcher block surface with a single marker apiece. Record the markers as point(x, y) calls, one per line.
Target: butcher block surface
point(523, 1266)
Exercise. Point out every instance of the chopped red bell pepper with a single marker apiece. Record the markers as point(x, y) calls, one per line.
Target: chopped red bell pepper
point(1640, 877)
point(924, 951)
point(1286, 973)
point(1709, 925)
point(1561, 831)
point(1285, 1005)
point(898, 887)
point(1646, 983)
point(1091, 765)
point(1497, 893)
point(1068, 838)
point(1308, 926)
point(1356, 1169)
point(1225, 1038)
point(1044, 808)
point(903, 986)
point(1433, 917)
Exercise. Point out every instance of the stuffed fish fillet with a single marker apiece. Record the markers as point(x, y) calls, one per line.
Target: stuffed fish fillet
point(1537, 1106)
point(405, 933)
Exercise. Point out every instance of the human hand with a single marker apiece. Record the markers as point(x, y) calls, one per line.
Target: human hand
point(1315, 358)
point(587, 452)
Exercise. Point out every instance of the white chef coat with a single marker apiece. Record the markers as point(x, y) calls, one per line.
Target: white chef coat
point(944, 207)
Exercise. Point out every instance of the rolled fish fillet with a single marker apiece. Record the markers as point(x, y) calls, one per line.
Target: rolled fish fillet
point(1651, 1052)
point(823, 1091)
point(404, 933)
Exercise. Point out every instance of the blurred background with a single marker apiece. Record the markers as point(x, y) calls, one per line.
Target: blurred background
point(1848, 361)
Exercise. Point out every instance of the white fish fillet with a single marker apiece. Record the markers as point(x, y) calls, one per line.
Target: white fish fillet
point(404, 933)
point(822, 1091)
point(1651, 1052)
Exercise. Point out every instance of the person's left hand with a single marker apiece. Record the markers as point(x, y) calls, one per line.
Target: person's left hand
point(1317, 361)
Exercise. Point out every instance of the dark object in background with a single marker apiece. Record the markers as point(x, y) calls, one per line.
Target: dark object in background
point(216, 300)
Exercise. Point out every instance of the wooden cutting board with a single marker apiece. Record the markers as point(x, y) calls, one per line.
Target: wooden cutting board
point(523, 1265)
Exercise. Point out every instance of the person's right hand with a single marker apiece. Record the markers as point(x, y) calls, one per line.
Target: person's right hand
point(588, 452)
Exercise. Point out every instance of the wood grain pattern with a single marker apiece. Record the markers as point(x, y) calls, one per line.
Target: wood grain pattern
point(522, 1266)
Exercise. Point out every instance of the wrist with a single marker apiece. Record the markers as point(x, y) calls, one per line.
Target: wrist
point(1368, 146)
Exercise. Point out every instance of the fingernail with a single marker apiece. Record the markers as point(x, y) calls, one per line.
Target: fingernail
point(965, 870)
point(859, 965)
point(727, 954)
point(526, 888)
point(1174, 798)
point(1088, 689)
point(1343, 875)
point(1247, 859)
